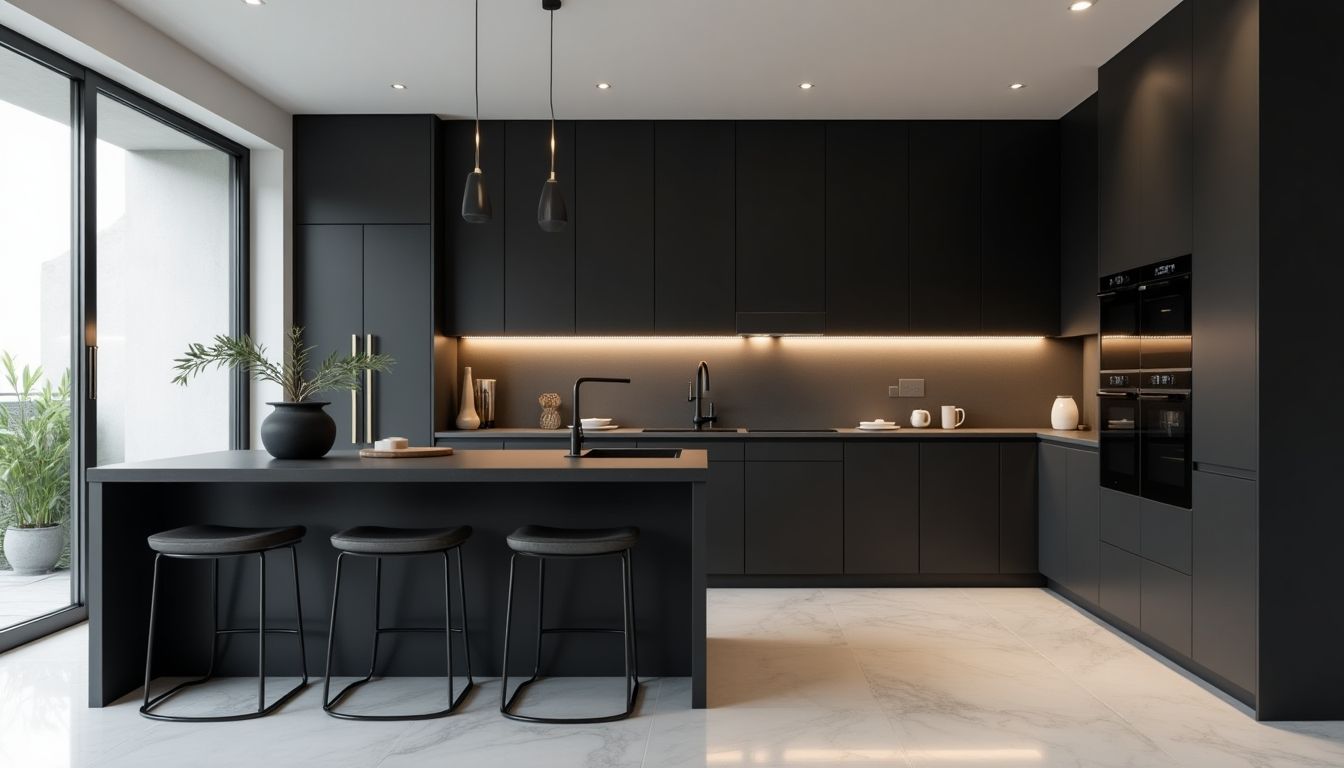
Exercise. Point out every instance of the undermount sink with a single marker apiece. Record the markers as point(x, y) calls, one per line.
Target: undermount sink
point(793, 430)
point(631, 453)
point(690, 429)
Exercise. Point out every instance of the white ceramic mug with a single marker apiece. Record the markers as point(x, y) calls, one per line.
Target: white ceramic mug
point(953, 416)
point(920, 418)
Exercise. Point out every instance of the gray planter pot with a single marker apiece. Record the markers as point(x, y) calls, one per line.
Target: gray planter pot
point(34, 551)
point(298, 430)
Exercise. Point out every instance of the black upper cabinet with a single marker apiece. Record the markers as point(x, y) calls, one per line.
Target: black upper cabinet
point(867, 227)
point(1019, 227)
point(1226, 286)
point(945, 164)
point(613, 227)
point(694, 227)
point(364, 169)
point(538, 265)
point(1078, 220)
point(475, 252)
point(1146, 146)
point(781, 226)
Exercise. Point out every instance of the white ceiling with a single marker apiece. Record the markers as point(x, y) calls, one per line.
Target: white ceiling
point(666, 59)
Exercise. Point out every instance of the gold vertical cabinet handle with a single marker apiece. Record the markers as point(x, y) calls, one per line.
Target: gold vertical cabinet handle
point(368, 392)
point(354, 395)
point(92, 372)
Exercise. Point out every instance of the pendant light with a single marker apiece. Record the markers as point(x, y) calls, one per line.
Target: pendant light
point(475, 200)
point(551, 213)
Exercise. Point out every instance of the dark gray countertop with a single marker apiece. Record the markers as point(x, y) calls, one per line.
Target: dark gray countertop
point(548, 466)
point(1085, 439)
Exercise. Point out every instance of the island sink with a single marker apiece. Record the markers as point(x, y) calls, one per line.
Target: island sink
point(631, 453)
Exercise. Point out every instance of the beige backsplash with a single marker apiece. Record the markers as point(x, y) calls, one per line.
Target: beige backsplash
point(785, 382)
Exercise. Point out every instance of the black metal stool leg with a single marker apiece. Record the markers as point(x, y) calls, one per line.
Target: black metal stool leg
point(298, 608)
point(261, 632)
point(455, 700)
point(153, 613)
point(331, 635)
point(504, 699)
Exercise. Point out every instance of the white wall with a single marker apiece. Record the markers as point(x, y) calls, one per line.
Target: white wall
point(113, 42)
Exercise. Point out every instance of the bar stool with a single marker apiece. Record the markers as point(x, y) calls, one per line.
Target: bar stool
point(542, 542)
point(379, 542)
point(213, 542)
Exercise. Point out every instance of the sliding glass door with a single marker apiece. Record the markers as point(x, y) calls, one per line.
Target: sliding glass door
point(36, 239)
point(123, 237)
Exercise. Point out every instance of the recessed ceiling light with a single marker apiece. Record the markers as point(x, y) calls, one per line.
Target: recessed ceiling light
point(1017, 86)
point(604, 86)
point(1081, 5)
point(254, 2)
point(805, 86)
point(398, 86)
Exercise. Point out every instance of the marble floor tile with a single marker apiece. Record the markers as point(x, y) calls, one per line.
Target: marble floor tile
point(909, 678)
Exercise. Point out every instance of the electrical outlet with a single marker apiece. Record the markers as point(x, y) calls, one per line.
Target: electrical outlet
point(893, 391)
point(910, 388)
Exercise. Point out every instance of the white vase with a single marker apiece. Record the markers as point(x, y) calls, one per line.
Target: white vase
point(467, 418)
point(1064, 414)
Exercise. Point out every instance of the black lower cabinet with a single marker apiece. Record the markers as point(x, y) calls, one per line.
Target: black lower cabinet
point(795, 517)
point(881, 508)
point(1164, 606)
point(1052, 515)
point(725, 526)
point(1017, 508)
point(1082, 538)
point(1120, 574)
point(1118, 524)
point(1224, 591)
point(959, 508)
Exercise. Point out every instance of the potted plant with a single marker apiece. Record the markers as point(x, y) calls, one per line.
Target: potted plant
point(34, 468)
point(298, 428)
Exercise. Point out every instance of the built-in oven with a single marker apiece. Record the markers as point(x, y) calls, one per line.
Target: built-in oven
point(1144, 397)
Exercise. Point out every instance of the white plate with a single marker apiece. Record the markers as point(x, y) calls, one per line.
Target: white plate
point(597, 429)
point(595, 422)
point(882, 428)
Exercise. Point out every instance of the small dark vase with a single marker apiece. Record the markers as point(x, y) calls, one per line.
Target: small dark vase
point(298, 430)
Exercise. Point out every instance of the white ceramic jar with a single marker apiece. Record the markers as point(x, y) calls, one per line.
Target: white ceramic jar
point(1064, 414)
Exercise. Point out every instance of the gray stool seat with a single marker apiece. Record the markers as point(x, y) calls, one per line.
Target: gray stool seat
point(572, 542)
point(223, 539)
point(377, 540)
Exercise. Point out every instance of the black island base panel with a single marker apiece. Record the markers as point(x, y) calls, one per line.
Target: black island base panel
point(668, 571)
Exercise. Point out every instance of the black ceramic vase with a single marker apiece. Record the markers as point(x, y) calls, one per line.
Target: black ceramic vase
point(298, 431)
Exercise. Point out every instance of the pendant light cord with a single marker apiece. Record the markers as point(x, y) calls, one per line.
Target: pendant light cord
point(551, 90)
point(476, 44)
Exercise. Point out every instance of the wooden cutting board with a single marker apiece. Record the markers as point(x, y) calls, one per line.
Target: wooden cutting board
point(404, 453)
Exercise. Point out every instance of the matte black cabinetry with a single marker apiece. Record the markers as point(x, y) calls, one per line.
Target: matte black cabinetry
point(867, 226)
point(1017, 508)
point(1019, 227)
point(1120, 575)
point(1083, 540)
point(1146, 146)
point(474, 277)
point(538, 265)
point(1164, 606)
point(945, 167)
point(958, 507)
point(725, 523)
point(694, 228)
point(794, 516)
point(781, 224)
point(1053, 514)
point(372, 283)
point(881, 508)
point(1078, 220)
point(1226, 287)
point(1226, 567)
point(364, 169)
point(613, 228)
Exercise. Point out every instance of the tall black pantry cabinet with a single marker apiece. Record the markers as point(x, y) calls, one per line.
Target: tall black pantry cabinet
point(364, 264)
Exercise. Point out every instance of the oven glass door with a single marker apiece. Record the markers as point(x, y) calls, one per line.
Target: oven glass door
point(1119, 443)
point(1164, 324)
point(1165, 438)
point(1120, 331)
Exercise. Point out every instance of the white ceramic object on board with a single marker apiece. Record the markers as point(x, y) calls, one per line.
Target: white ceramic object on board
point(1064, 413)
point(467, 418)
point(920, 418)
point(953, 416)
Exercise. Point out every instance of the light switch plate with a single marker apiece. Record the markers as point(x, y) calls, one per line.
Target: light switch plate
point(893, 391)
point(911, 388)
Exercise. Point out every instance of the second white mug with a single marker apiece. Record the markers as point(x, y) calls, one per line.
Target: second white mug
point(920, 418)
point(953, 416)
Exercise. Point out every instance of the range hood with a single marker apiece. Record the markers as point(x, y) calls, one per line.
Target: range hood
point(781, 323)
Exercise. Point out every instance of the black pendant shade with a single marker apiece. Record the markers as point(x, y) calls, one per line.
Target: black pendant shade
point(475, 200)
point(551, 213)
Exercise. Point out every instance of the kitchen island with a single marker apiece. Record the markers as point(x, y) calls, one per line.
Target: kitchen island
point(492, 491)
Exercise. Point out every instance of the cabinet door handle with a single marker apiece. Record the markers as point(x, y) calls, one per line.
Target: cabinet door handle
point(368, 392)
point(354, 395)
point(92, 372)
